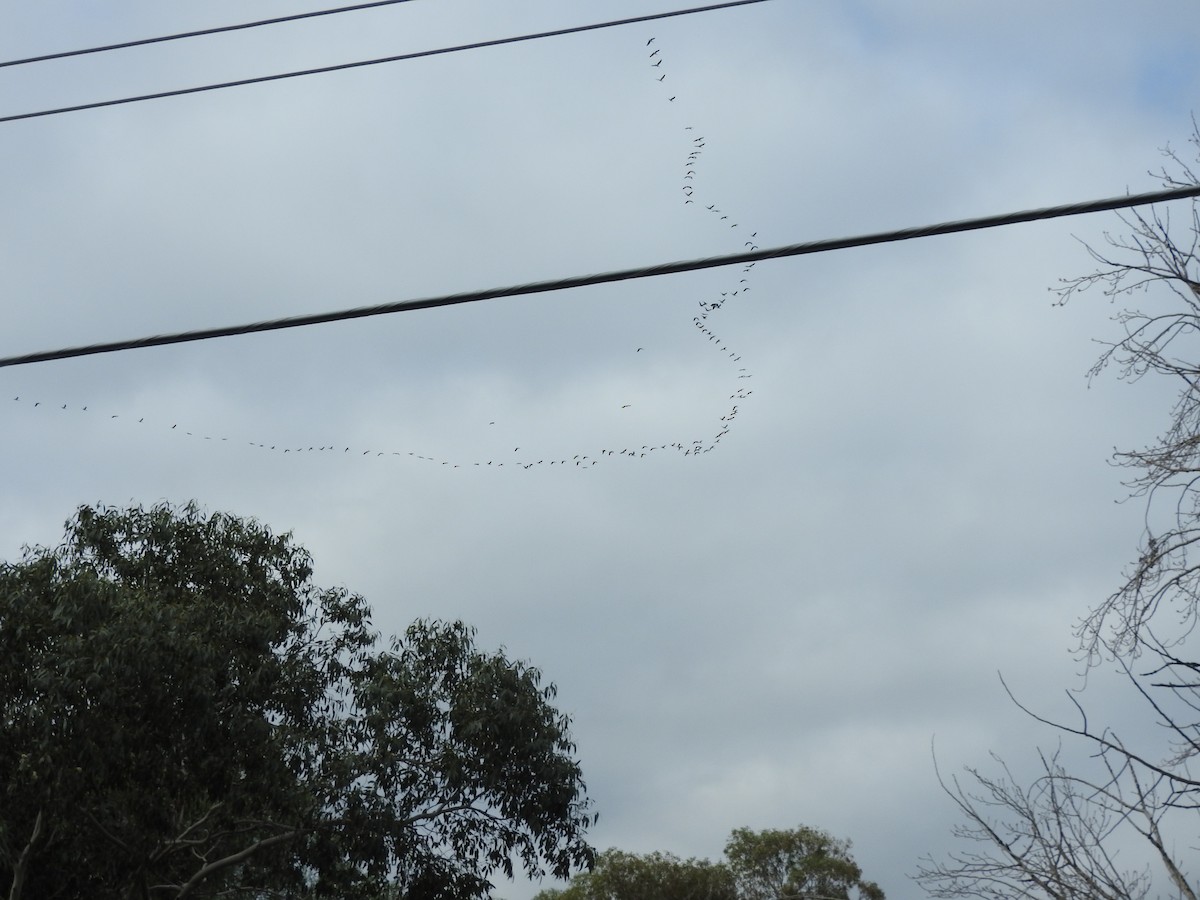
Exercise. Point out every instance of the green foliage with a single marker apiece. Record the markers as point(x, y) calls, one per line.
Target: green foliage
point(182, 713)
point(802, 864)
point(656, 876)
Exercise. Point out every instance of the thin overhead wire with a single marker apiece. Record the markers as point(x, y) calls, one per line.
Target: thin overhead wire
point(420, 54)
point(141, 42)
point(671, 268)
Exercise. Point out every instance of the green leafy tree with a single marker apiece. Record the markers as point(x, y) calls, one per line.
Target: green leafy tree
point(801, 864)
point(184, 714)
point(655, 876)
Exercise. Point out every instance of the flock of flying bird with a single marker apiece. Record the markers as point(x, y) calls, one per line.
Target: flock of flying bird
point(709, 311)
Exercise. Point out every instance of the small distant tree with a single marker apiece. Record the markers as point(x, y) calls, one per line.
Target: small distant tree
point(800, 864)
point(655, 876)
point(1060, 837)
point(184, 714)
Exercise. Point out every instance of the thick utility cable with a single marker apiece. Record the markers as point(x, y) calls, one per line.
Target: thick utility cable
point(538, 287)
point(496, 42)
point(141, 42)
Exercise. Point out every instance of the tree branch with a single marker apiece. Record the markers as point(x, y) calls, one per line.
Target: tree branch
point(22, 864)
point(233, 859)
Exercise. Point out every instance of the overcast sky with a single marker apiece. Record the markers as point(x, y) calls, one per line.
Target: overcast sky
point(911, 490)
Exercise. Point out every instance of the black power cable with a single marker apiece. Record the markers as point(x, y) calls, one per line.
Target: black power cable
point(537, 287)
point(496, 42)
point(191, 34)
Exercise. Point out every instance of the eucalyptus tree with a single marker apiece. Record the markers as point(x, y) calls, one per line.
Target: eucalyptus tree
point(183, 713)
point(794, 864)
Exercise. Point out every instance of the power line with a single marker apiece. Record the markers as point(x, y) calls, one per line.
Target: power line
point(672, 268)
point(191, 34)
point(496, 42)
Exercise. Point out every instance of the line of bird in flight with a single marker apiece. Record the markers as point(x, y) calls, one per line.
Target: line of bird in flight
point(709, 311)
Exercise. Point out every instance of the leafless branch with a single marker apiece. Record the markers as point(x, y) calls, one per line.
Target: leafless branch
point(1055, 838)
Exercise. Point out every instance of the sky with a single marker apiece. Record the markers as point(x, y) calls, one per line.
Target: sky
point(904, 484)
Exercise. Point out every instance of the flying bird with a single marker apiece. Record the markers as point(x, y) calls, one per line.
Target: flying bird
point(649, 42)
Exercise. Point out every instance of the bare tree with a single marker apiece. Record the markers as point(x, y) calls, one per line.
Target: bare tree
point(1158, 258)
point(1060, 837)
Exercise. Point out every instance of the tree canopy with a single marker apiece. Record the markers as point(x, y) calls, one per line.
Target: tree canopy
point(797, 864)
point(184, 714)
point(655, 876)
